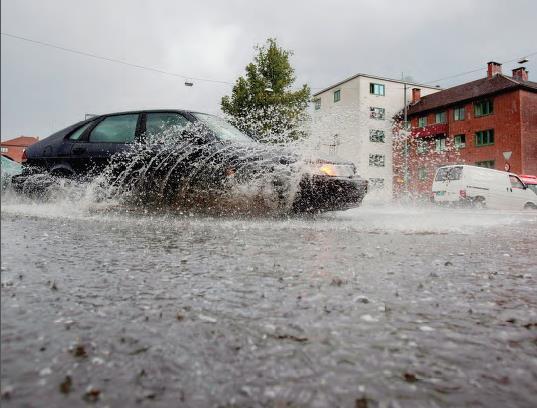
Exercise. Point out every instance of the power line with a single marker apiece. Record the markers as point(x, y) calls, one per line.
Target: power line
point(186, 77)
point(114, 60)
point(451, 76)
point(476, 70)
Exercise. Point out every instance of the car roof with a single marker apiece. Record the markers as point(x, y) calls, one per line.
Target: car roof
point(528, 179)
point(156, 110)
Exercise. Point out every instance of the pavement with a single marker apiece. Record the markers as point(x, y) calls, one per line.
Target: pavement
point(380, 306)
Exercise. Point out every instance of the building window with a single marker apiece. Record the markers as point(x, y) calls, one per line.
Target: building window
point(422, 146)
point(376, 136)
point(377, 160)
point(458, 113)
point(459, 141)
point(422, 121)
point(376, 89)
point(440, 144)
point(317, 103)
point(337, 95)
point(483, 108)
point(333, 147)
point(376, 183)
point(4, 149)
point(441, 117)
point(422, 173)
point(489, 164)
point(484, 137)
point(377, 113)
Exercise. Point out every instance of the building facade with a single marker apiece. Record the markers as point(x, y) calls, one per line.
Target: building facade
point(13, 148)
point(353, 120)
point(491, 122)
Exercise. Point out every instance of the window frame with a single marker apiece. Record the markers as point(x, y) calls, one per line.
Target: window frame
point(372, 87)
point(490, 103)
point(511, 177)
point(87, 132)
point(424, 119)
point(373, 114)
point(443, 113)
point(338, 93)
point(143, 122)
point(373, 155)
point(376, 132)
point(437, 139)
point(482, 132)
point(317, 104)
point(459, 109)
point(459, 145)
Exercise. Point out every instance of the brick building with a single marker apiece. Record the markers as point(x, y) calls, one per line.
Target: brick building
point(490, 122)
point(13, 148)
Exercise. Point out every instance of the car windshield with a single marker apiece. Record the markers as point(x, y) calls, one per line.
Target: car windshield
point(222, 129)
point(449, 173)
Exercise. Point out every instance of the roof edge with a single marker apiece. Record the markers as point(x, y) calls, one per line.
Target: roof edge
point(375, 77)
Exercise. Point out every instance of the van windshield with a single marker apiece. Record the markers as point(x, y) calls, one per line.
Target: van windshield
point(449, 173)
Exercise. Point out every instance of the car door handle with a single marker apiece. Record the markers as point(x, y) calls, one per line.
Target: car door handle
point(79, 150)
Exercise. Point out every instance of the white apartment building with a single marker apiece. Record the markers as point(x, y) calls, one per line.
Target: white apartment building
point(353, 120)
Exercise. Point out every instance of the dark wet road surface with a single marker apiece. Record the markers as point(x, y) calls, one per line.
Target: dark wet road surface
point(388, 308)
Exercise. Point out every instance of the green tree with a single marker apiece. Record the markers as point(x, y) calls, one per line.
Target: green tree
point(263, 103)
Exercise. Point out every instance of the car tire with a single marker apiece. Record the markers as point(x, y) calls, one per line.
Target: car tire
point(479, 203)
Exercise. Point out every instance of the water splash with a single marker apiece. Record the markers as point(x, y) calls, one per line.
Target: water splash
point(186, 169)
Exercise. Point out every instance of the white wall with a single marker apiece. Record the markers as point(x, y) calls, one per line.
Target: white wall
point(350, 120)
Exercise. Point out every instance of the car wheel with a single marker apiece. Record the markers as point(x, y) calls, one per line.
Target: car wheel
point(479, 202)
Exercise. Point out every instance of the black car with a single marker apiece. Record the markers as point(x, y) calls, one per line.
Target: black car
point(162, 151)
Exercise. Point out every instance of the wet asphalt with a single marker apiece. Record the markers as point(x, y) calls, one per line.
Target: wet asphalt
point(373, 307)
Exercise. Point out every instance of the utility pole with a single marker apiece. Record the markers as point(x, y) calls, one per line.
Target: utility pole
point(405, 172)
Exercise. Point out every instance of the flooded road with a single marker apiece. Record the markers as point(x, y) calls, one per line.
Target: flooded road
point(373, 307)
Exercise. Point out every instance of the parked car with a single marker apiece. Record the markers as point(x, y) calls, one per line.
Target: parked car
point(86, 149)
point(481, 187)
point(9, 168)
point(530, 181)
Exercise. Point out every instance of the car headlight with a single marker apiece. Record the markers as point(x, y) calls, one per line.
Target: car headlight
point(337, 170)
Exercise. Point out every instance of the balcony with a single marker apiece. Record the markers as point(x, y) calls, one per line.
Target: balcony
point(430, 130)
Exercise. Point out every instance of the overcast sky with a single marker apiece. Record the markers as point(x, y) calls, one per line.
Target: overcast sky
point(45, 89)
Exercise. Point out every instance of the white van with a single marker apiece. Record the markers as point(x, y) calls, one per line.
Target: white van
point(481, 187)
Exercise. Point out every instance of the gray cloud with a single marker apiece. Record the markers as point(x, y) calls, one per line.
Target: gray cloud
point(44, 89)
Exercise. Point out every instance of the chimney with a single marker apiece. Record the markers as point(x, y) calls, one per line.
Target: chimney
point(416, 95)
point(520, 73)
point(494, 68)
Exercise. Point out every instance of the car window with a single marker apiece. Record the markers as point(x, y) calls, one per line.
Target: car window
point(115, 129)
point(77, 134)
point(515, 182)
point(448, 173)
point(160, 122)
point(222, 129)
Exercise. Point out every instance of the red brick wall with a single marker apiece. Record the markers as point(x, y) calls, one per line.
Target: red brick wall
point(514, 117)
point(528, 102)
